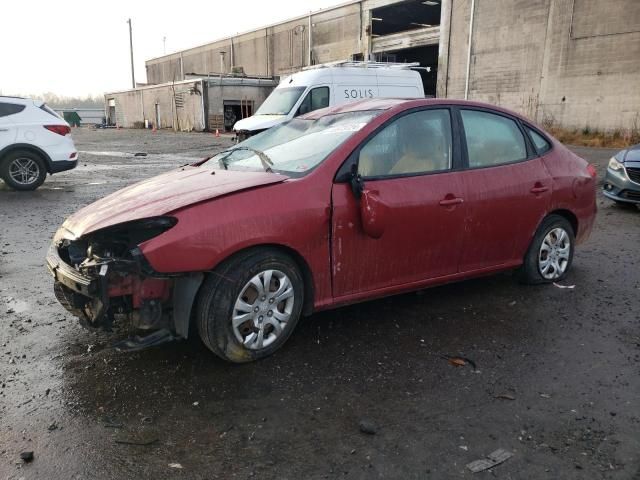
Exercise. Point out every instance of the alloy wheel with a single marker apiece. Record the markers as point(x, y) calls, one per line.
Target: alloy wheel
point(554, 254)
point(24, 171)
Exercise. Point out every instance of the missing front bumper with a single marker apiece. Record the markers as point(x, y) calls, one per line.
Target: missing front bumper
point(149, 303)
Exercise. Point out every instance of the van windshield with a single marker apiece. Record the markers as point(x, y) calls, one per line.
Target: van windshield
point(294, 148)
point(281, 101)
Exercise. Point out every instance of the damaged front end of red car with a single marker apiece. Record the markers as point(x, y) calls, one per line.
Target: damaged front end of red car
point(103, 278)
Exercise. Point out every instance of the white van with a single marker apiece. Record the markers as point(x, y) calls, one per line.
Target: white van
point(332, 84)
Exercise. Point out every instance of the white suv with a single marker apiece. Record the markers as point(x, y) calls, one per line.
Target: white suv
point(34, 141)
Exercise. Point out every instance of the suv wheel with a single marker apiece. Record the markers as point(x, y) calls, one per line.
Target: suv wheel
point(23, 170)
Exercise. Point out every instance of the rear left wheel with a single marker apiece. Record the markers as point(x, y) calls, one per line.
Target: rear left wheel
point(23, 170)
point(551, 252)
point(249, 306)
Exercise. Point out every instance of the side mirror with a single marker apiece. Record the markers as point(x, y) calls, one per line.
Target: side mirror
point(373, 211)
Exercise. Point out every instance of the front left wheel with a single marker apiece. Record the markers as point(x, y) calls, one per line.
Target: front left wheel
point(248, 307)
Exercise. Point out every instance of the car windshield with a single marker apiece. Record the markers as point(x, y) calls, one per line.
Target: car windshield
point(281, 101)
point(293, 148)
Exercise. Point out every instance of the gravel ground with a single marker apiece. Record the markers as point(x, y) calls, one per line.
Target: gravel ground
point(556, 381)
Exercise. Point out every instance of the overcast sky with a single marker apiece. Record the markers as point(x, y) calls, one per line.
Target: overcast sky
point(81, 47)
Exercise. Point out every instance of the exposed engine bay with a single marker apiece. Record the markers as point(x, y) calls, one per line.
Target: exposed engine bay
point(103, 278)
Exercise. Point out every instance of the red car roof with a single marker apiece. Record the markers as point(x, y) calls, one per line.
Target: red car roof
point(401, 104)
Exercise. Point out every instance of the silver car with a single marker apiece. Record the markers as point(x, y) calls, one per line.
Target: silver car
point(622, 181)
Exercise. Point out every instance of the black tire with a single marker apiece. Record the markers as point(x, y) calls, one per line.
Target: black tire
point(219, 292)
point(530, 272)
point(40, 170)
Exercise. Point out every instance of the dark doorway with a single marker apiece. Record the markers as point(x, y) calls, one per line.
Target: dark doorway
point(404, 16)
point(235, 110)
point(426, 56)
point(392, 21)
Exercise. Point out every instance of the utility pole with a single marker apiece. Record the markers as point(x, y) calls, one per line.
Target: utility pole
point(133, 75)
point(164, 45)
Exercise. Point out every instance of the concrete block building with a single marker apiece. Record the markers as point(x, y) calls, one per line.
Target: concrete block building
point(194, 104)
point(574, 63)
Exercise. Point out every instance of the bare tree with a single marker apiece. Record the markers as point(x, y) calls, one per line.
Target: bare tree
point(61, 101)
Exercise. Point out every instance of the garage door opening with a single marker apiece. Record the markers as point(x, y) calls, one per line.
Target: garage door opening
point(409, 32)
point(235, 110)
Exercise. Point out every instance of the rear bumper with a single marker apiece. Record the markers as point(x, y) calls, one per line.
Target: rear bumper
point(62, 165)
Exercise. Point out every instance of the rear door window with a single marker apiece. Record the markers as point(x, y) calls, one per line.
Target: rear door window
point(7, 109)
point(541, 144)
point(492, 139)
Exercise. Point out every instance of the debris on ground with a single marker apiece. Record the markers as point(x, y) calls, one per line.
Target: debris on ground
point(52, 427)
point(459, 361)
point(494, 458)
point(564, 286)
point(26, 456)
point(368, 427)
point(175, 465)
point(142, 440)
point(505, 396)
point(110, 422)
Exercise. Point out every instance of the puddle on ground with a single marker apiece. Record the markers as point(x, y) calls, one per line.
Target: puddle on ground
point(146, 156)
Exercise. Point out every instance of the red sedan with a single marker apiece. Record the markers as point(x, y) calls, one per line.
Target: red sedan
point(338, 206)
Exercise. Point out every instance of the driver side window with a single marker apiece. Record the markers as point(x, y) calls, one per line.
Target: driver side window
point(416, 143)
point(316, 98)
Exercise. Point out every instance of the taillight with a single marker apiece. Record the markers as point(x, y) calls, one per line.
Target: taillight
point(59, 129)
point(592, 171)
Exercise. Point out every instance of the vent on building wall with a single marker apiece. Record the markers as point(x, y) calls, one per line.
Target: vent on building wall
point(179, 100)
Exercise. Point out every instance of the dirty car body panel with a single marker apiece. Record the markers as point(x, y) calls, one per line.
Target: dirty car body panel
point(143, 253)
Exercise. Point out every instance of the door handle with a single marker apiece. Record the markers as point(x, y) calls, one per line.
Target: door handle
point(539, 189)
point(4, 129)
point(447, 202)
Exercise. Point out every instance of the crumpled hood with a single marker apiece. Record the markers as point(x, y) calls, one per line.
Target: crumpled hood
point(259, 122)
point(162, 195)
